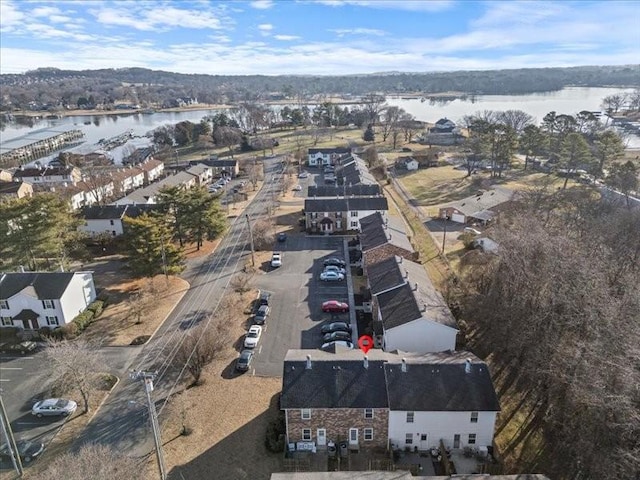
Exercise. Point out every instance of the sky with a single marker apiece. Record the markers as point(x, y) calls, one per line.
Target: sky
point(316, 37)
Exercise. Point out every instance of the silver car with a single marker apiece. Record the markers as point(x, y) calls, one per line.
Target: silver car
point(53, 407)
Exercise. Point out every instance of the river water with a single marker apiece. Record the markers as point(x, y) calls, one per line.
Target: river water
point(569, 101)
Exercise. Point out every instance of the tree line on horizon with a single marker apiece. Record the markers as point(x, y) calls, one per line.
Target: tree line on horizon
point(54, 88)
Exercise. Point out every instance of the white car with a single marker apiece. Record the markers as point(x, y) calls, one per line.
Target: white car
point(53, 407)
point(252, 337)
point(303, 175)
point(331, 277)
point(276, 259)
point(297, 188)
point(337, 343)
point(472, 230)
point(333, 268)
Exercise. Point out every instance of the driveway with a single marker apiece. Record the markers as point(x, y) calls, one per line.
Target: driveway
point(297, 296)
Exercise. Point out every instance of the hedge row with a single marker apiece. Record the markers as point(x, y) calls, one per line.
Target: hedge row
point(79, 324)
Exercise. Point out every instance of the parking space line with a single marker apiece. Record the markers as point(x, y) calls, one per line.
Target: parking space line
point(5, 379)
point(10, 368)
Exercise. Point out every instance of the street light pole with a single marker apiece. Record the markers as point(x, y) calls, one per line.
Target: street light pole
point(11, 442)
point(147, 378)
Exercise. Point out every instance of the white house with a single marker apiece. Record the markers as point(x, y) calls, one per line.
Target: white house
point(44, 299)
point(48, 175)
point(109, 218)
point(340, 214)
point(413, 315)
point(447, 396)
point(481, 206)
point(410, 163)
point(152, 169)
point(325, 156)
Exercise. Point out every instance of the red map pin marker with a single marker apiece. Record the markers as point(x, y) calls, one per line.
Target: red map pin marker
point(365, 342)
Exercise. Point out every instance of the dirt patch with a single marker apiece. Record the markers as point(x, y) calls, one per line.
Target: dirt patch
point(119, 325)
point(191, 251)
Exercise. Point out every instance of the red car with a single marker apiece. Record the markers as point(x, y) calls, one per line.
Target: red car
point(335, 306)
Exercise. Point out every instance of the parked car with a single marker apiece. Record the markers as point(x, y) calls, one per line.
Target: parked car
point(261, 315)
point(27, 450)
point(252, 337)
point(336, 336)
point(335, 306)
point(303, 175)
point(263, 297)
point(338, 262)
point(331, 277)
point(22, 347)
point(276, 259)
point(297, 188)
point(282, 237)
point(53, 407)
point(335, 327)
point(244, 360)
point(337, 343)
point(472, 230)
point(333, 268)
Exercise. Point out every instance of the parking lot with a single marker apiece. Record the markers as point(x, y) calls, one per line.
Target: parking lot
point(24, 381)
point(297, 296)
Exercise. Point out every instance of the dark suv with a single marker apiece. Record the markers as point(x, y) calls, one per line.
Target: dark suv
point(261, 315)
point(263, 298)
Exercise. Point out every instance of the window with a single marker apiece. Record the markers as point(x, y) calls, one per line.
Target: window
point(7, 321)
point(338, 214)
point(474, 417)
point(354, 224)
point(354, 214)
point(326, 214)
point(305, 414)
point(472, 439)
point(52, 321)
point(368, 434)
point(47, 304)
point(4, 304)
point(306, 434)
point(410, 417)
point(368, 413)
point(314, 214)
point(110, 222)
point(409, 439)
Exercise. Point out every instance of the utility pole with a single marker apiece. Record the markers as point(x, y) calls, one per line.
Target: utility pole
point(253, 259)
point(11, 442)
point(444, 235)
point(147, 378)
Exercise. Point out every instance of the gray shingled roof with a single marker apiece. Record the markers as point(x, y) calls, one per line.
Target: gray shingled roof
point(485, 201)
point(398, 306)
point(344, 191)
point(374, 234)
point(333, 381)
point(10, 187)
point(384, 275)
point(47, 285)
point(330, 150)
point(104, 212)
point(345, 204)
point(440, 384)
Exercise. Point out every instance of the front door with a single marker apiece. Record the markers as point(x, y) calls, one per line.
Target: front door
point(456, 440)
point(321, 435)
point(423, 442)
point(353, 436)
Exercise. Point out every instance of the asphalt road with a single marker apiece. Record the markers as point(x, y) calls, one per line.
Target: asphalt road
point(297, 296)
point(122, 422)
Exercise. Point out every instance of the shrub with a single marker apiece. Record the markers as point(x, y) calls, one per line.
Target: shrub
point(83, 320)
point(67, 332)
point(96, 307)
point(9, 332)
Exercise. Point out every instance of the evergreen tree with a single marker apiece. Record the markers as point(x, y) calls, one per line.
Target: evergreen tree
point(148, 241)
point(204, 218)
point(369, 135)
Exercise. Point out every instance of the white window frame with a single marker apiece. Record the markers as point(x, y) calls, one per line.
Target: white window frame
point(411, 417)
point(48, 304)
point(354, 224)
point(368, 434)
point(472, 439)
point(6, 321)
point(474, 417)
point(306, 435)
point(368, 413)
point(408, 439)
point(4, 304)
point(305, 414)
point(354, 213)
point(53, 321)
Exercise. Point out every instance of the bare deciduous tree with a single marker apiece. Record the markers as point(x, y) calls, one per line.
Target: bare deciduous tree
point(202, 346)
point(96, 462)
point(76, 367)
point(263, 234)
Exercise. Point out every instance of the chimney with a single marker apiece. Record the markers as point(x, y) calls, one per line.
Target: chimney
point(467, 365)
point(404, 365)
point(406, 272)
point(366, 362)
point(416, 287)
point(308, 362)
point(424, 307)
point(400, 260)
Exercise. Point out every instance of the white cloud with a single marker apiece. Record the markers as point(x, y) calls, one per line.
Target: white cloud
point(408, 5)
point(10, 16)
point(262, 4)
point(358, 31)
point(265, 27)
point(45, 11)
point(286, 38)
point(149, 17)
